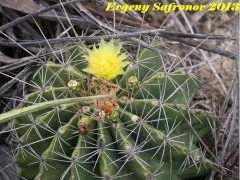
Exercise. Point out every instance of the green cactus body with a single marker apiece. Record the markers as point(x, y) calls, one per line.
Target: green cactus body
point(140, 132)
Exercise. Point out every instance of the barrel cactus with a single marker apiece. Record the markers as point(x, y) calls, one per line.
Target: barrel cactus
point(142, 128)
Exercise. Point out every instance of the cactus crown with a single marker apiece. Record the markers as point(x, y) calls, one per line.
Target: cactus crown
point(142, 129)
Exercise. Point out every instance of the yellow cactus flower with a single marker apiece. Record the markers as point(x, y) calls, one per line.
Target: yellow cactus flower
point(106, 61)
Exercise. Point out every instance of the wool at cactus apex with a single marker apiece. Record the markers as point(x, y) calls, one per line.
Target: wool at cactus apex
point(143, 8)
